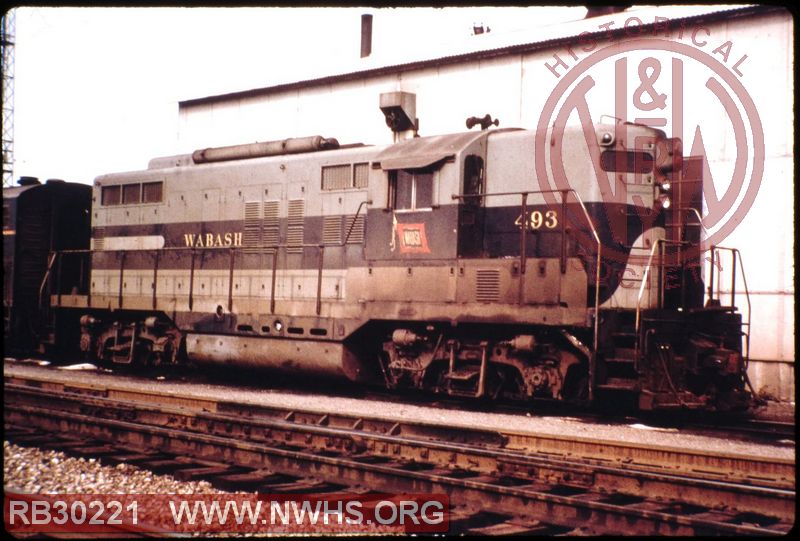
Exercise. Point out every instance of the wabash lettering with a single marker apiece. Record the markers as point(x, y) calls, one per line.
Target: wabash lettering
point(211, 240)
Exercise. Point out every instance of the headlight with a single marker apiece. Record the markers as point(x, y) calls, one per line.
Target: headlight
point(665, 202)
point(666, 186)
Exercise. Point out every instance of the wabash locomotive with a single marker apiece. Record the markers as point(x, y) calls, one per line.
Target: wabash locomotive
point(445, 263)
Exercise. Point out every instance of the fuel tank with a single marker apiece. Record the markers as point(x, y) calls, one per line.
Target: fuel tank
point(325, 359)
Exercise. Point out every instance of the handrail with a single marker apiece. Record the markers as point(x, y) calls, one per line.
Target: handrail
point(355, 219)
point(596, 330)
point(737, 256)
point(656, 244)
point(699, 217)
point(232, 250)
point(46, 277)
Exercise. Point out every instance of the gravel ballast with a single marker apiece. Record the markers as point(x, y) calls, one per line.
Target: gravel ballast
point(35, 471)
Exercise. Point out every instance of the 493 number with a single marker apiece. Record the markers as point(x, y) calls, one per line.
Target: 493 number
point(538, 219)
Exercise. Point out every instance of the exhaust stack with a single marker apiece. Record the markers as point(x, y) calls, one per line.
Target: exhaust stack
point(366, 35)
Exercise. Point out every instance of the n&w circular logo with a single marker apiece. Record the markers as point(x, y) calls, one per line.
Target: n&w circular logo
point(685, 85)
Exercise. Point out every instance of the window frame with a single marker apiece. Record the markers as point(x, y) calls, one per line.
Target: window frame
point(127, 190)
point(114, 188)
point(121, 190)
point(351, 179)
point(161, 192)
point(415, 174)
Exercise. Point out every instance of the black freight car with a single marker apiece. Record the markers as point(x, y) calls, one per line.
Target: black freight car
point(39, 221)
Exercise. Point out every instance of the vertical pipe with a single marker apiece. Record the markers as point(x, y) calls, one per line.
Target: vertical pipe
point(523, 246)
point(660, 284)
point(679, 216)
point(711, 277)
point(319, 278)
point(366, 35)
point(524, 236)
point(452, 357)
point(89, 282)
point(482, 376)
point(564, 231)
point(274, 278)
point(733, 279)
point(121, 276)
point(596, 337)
point(155, 277)
point(59, 257)
point(230, 280)
point(82, 273)
point(191, 283)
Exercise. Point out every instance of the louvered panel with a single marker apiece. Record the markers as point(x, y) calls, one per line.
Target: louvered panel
point(487, 285)
point(252, 226)
point(295, 233)
point(297, 209)
point(336, 177)
point(271, 209)
point(357, 231)
point(361, 175)
point(294, 239)
point(332, 230)
point(272, 234)
point(252, 212)
point(98, 240)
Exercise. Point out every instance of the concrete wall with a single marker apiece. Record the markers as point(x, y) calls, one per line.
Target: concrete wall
point(514, 87)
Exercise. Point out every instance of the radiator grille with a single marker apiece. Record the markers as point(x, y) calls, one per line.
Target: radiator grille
point(487, 285)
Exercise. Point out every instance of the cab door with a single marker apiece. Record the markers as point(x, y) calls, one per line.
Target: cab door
point(471, 212)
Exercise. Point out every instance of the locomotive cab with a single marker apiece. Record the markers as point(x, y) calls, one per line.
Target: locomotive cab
point(415, 216)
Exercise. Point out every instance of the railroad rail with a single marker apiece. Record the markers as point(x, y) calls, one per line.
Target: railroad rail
point(608, 487)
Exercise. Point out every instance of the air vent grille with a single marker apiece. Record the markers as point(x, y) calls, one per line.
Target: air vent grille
point(487, 285)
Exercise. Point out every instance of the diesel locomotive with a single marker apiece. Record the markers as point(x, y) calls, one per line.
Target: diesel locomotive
point(463, 264)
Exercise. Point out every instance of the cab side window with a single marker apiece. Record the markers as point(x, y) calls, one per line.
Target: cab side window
point(411, 189)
